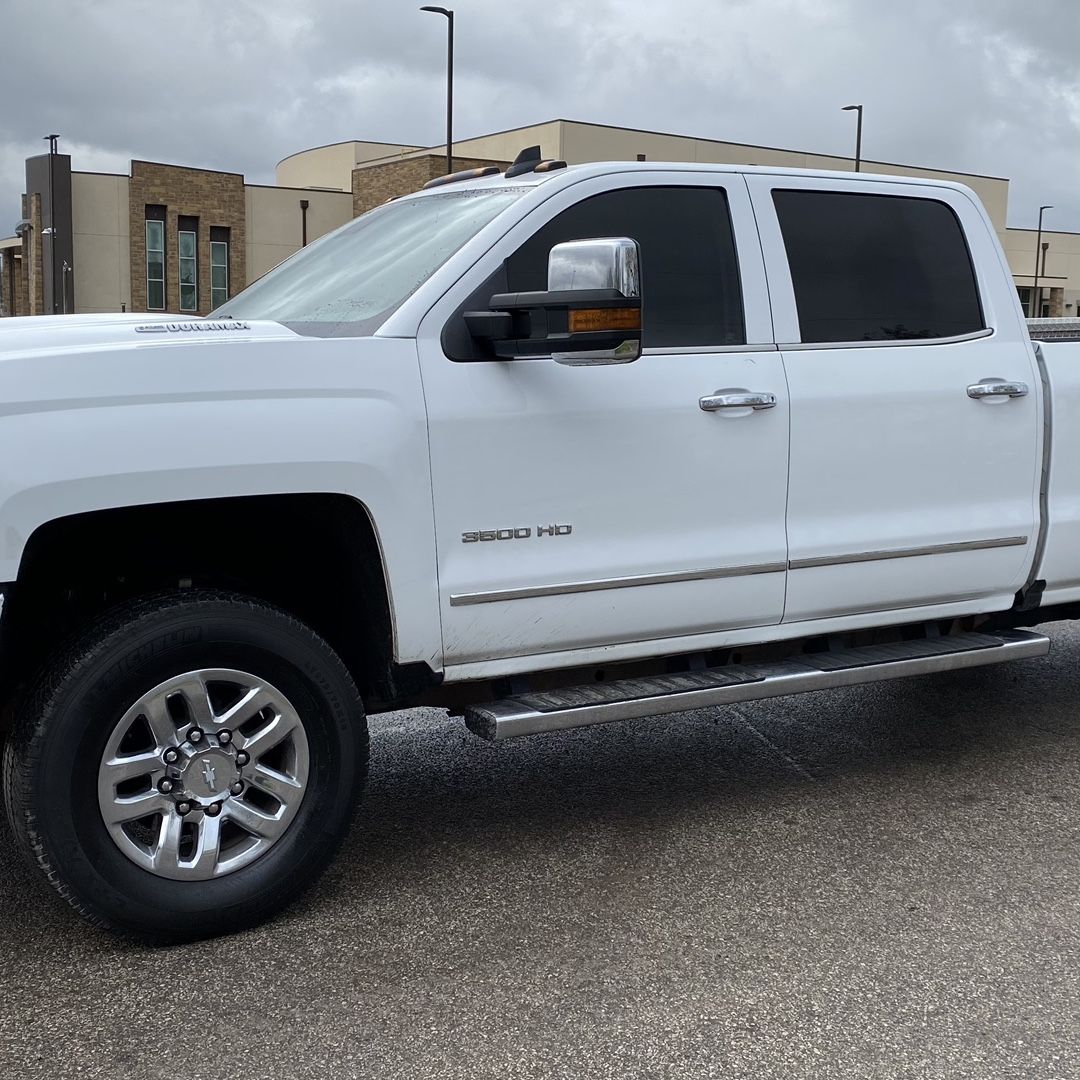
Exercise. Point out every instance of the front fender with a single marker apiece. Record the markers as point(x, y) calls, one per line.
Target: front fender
point(132, 425)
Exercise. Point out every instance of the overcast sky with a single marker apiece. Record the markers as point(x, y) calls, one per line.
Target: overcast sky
point(988, 86)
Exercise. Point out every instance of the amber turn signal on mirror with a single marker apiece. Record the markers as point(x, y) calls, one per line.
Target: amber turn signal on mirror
point(588, 320)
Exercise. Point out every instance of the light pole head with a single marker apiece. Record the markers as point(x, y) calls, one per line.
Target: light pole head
point(439, 11)
point(849, 108)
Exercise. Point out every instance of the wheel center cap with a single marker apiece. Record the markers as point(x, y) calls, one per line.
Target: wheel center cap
point(208, 774)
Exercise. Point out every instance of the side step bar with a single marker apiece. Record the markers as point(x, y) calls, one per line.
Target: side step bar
point(600, 703)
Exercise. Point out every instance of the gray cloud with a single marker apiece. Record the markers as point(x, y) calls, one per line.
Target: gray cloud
point(977, 85)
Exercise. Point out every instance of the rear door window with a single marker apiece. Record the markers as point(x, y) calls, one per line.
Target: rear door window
point(871, 267)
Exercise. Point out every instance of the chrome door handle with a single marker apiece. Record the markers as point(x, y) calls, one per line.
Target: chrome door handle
point(727, 399)
point(997, 389)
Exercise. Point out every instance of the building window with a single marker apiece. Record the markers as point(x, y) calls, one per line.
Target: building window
point(188, 252)
point(219, 266)
point(155, 258)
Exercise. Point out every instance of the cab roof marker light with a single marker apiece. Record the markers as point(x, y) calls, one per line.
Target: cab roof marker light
point(525, 162)
point(465, 174)
point(550, 166)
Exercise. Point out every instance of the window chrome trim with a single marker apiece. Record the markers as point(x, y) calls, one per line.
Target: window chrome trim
point(906, 553)
point(804, 346)
point(563, 588)
point(694, 350)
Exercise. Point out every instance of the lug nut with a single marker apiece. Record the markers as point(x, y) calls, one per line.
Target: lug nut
point(242, 758)
point(236, 788)
point(224, 737)
point(170, 756)
point(165, 787)
point(214, 809)
point(195, 735)
point(183, 808)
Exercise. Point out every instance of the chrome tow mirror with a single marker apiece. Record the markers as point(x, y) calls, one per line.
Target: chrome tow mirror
point(610, 270)
point(589, 314)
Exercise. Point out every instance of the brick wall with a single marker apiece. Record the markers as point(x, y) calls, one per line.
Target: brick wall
point(22, 271)
point(10, 268)
point(215, 198)
point(374, 184)
point(33, 260)
point(22, 286)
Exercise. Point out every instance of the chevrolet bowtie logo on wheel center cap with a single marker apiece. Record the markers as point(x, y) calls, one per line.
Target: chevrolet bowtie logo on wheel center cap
point(209, 774)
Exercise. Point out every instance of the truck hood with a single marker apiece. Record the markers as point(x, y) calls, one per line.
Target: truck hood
point(64, 334)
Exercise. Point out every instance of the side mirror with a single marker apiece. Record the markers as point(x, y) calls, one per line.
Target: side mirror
point(590, 313)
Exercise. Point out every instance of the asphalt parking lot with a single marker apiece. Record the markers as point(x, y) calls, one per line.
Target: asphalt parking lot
point(876, 882)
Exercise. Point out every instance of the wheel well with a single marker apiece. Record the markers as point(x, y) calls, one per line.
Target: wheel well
point(314, 555)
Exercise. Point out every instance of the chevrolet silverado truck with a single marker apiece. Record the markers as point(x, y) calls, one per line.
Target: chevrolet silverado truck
point(546, 448)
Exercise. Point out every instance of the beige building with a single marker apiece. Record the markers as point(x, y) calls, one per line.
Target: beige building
point(1059, 268)
point(162, 238)
point(170, 238)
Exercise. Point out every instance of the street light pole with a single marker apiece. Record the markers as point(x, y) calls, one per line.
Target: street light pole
point(449, 83)
point(858, 134)
point(1038, 248)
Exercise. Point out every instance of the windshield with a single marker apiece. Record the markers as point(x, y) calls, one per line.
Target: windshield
point(350, 281)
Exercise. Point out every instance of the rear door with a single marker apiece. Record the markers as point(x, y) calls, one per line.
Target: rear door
point(588, 507)
point(911, 484)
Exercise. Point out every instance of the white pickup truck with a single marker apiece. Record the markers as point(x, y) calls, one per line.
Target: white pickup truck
point(547, 448)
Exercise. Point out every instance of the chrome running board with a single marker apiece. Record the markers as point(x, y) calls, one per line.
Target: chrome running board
point(601, 703)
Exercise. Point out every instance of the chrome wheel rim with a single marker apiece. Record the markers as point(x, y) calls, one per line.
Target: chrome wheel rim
point(203, 774)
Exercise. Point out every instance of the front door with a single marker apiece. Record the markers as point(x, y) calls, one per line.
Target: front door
point(911, 484)
point(592, 512)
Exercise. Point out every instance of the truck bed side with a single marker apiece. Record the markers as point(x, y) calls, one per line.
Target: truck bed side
point(1060, 564)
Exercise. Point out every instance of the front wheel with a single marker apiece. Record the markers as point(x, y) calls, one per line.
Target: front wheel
point(188, 766)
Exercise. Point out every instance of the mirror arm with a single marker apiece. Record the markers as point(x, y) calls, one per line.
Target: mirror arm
point(490, 325)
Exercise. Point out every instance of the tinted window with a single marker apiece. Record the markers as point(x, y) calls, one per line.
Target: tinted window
point(877, 267)
point(690, 272)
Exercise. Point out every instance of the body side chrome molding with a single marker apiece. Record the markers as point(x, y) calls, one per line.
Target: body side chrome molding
point(906, 553)
point(562, 588)
point(565, 588)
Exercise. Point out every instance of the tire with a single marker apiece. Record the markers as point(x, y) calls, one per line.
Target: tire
point(61, 761)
